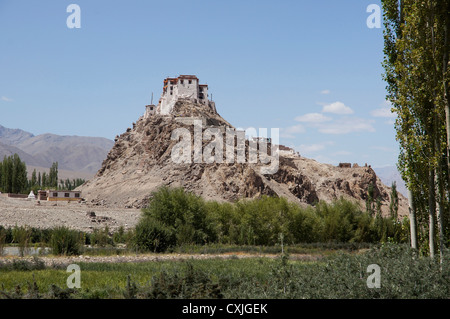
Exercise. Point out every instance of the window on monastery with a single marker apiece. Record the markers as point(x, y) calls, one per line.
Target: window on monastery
point(190, 81)
point(77, 195)
point(181, 81)
point(66, 194)
point(55, 194)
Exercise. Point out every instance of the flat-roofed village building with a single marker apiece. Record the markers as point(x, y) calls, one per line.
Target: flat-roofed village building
point(59, 195)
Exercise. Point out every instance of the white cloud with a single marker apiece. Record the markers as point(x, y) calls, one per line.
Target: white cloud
point(337, 108)
point(312, 118)
point(325, 92)
point(383, 112)
point(289, 132)
point(347, 125)
point(6, 99)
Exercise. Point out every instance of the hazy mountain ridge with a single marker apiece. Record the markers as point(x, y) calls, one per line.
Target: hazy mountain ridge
point(390, 174)
point(9, 150)
point(73, 153)
point(13, 137)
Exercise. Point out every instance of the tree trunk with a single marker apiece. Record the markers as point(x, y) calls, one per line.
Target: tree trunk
point(432, 211)
point(445, 65)
point(441, 209)
point(447, 125)
point(412, 220)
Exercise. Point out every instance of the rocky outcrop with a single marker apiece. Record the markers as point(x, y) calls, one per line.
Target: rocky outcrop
point(140, 162)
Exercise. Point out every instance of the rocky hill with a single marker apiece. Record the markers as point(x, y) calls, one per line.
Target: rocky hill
point(140, 162)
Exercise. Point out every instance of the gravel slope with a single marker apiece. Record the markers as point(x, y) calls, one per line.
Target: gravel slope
point(79, 216)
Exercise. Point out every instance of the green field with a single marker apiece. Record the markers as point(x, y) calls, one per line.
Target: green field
point(342, 274)
point(356, 254)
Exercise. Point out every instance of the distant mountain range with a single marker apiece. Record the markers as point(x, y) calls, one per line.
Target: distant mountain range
point(390, 174)
point(73, 153)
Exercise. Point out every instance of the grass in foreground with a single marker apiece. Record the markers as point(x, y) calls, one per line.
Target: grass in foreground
point(403, 275)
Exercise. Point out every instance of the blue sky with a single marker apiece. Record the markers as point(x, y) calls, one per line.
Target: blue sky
point(311, 68)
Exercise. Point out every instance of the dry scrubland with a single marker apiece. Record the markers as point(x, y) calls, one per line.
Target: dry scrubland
point(74, 215)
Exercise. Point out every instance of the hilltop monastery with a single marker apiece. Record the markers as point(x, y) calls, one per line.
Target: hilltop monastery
point(184, 87)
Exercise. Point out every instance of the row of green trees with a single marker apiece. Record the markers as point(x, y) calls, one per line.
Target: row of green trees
point(71, 184)
point(14, 177)
point(46, 180)
point(416, 63)
point(175, 217)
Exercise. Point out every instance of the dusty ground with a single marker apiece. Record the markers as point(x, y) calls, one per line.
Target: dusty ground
point(80, 216)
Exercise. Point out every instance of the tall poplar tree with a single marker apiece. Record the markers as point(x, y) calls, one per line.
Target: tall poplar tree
point(416, 71)
point(53, 176)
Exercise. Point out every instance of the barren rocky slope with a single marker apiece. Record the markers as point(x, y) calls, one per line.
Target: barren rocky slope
point(79, 216)
point(140, 162)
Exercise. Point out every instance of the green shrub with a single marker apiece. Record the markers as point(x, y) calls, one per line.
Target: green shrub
point(190, 284)
point(152, 235)
point(194, 221)
point(61, 293)
point(306, 226)
point(131, 289)
point(40, 235)
point(183, 211)
point(403, 275)
point(7, 233)
point(2, 240)
point(27, 265)
point(65, 241)
point(101, 237)
point(22, 236)
point(224, 221)
point(263, 219)
point(339, 220)
point(120, 236)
